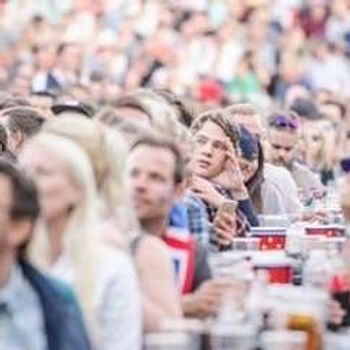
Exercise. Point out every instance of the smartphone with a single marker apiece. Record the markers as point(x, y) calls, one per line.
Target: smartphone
point(229, 207)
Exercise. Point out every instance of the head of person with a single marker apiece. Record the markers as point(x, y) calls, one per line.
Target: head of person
point(19, 209)
point(107, 152)
point(69, 56)
point(251, 163)
point(306, 110)
point(156, 171)
point(314, 147)
point(211, 132)
point(131, 129)
point(11, 101)
point(44, 56)
point(62, 173)
point(131, 107)
point(283, 138)
point(21, 123)
point(250, 158)
point(246, 115)
point(185, 110)
point(334, 111)
point(146, 107)
point(68, 196)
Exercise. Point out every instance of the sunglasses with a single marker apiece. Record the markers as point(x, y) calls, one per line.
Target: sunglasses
point(283, 121)
point(345, 165)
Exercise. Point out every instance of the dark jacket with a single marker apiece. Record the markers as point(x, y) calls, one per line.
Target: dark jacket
point(63, 321)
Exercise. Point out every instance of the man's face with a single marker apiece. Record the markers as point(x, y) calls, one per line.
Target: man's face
point(151, 182)
point(283, 144)
point(210, 151)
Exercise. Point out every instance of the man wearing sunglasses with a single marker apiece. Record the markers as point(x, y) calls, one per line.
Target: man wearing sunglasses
point(283, 138)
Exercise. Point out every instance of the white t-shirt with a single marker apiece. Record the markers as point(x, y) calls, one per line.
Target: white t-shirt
point(283, 180)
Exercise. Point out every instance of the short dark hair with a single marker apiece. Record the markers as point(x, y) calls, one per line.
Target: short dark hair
point(157, 142)
point(25, 201)
point(27, 120)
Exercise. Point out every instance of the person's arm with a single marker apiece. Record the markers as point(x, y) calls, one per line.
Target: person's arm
point(120, 310)
point(160, 297)
point(206, 300)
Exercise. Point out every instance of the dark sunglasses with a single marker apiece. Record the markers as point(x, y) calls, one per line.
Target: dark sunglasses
point(345, 165)
point(283, 121)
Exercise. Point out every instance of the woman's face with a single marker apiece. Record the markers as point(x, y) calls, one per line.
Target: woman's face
point(58, 193)
point(248, 168)
point(312, 141)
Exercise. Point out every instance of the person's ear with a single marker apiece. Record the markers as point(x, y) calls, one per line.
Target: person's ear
point(17, 140)
point(20, 231)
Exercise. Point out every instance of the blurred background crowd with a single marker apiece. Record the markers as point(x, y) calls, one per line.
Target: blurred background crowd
point(141, 141)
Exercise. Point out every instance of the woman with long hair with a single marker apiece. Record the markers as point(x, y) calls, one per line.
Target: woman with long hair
point(265, 196)
point(67, 243)
point(107, 151)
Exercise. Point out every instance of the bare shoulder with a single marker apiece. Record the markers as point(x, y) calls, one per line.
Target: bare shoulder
point(151, 251)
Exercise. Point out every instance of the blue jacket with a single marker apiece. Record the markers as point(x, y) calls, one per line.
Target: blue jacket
point(63, 321)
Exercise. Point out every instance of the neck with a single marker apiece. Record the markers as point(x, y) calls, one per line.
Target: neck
point(56, 228)
point(7, 260)
point(156, 227)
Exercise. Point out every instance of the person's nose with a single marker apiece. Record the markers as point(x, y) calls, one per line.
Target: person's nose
point(139, 183)
point(282, 153)
point(207, 149)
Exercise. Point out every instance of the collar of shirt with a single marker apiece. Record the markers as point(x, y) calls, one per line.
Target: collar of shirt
point(10, 293)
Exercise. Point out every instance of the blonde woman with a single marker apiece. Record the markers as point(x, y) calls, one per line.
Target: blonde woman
point(318, 149)
point(68, 245)
point(107, 152)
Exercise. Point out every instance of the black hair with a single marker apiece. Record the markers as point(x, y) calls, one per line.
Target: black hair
point(254, 183)
point(25, 201)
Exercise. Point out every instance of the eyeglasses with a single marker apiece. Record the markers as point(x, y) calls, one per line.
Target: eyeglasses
point(283, 121)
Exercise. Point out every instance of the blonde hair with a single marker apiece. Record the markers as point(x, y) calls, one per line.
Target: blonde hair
point(107, 150)
point(162, 116)
point(81, 243)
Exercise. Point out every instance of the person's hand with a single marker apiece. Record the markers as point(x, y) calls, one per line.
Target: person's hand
point(206, 191)
point(319, 216)
point(231, 178)
point(335, 312)
point(225, 227)
point(206, 300)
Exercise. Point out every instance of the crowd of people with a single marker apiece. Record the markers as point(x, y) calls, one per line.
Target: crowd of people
point(140, 138)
